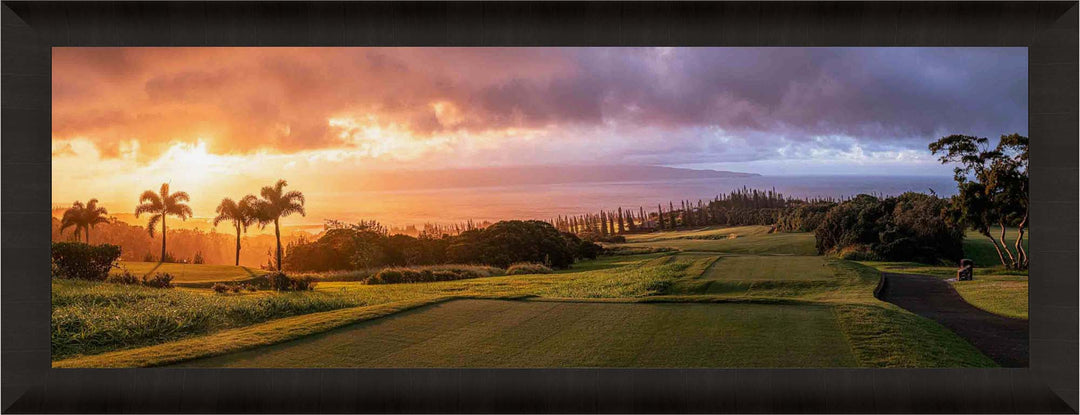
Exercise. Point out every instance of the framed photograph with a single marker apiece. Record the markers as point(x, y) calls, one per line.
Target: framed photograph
point(540, 207)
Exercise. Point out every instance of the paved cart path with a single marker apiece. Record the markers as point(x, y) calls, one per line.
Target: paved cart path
point(1001, 338)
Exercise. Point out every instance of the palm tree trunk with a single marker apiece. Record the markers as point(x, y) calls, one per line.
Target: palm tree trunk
point(88, 235)
point(163, 230)
point(237, 244)
point(277, 234)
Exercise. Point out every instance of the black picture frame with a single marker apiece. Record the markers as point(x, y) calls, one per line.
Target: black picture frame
point(30, 29)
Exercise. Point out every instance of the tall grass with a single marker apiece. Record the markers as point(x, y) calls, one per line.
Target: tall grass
point(91, 317)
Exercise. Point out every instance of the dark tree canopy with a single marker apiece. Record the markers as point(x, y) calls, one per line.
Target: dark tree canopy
point(992, 189)
point(367, 245)
point(909, 227)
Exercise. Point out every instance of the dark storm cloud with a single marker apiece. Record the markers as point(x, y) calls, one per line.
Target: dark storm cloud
point(694, 103)
point(870, 94)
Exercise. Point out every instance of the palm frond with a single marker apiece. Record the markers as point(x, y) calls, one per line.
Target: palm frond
point(150, 197)
point(183, 211)
point(248, 210)
point(294, 195)
point(65, 223)
point(73, 217)
point(146, 208)
point(267, 193)
point(293, 208)
point(180, 197)
point(227, 206)
point(94, 214)
point(151, 225)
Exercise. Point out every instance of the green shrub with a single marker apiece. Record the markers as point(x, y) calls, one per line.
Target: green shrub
point(198, 259)
point(304, 284)
point(235, 288)
point(149, 257)
point(77, 260)
point(590, 235)
point(386, 276)
point(444, 275)
point(434, 273)
point(220, 288)
point(278, 281)
point(250, 287)
point(527, 268)
point(857, 253)
point(159, 280)
point(124, 277)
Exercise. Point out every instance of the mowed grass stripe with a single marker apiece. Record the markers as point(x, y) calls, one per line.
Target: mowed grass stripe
point(770, 268)
point(192, 273)
point(755, 242)
point(491, 333)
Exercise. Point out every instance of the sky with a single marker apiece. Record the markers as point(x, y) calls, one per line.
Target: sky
point(225, 121)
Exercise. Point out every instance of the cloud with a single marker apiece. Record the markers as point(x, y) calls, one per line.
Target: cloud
point(541, 105)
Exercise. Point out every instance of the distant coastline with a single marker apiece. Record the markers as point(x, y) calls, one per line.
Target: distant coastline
point(532, 175)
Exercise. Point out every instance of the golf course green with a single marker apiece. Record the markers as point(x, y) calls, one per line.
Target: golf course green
point(727, 297)
point(493, 333)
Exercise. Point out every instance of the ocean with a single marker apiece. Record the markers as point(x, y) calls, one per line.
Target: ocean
point(416, 207)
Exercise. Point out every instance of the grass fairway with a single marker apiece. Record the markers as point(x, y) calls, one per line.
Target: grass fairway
point(978, 248)
point(696, 308)
point(749, 240)
point(490, 333)
point(193, 273)
point(1001, 295)
point(770, 268)
point(707, 233)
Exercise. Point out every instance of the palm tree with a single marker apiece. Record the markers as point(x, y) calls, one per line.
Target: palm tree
point(160, 205)
point(92, 216)
point(84, 217)
point(276, 204)
point(241, 214)
point(73, 217)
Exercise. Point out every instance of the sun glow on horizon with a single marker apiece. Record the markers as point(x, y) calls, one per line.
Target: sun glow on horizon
point(338, 123)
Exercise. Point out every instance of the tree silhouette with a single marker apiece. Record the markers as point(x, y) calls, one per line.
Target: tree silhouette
point(159, 205)
point(622, 228)
point(73, 217)
point(241, 214)
point(92, 216)
point(993, 188)
point(84, 217)
point(659, 216)
point(276, 204)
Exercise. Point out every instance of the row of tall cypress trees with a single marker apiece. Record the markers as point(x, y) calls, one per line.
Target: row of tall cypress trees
point(739, 207)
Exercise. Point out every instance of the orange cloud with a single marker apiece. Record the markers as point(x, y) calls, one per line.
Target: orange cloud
point(241, 100)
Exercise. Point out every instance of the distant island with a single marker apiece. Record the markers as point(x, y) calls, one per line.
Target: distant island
point(531, 175)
